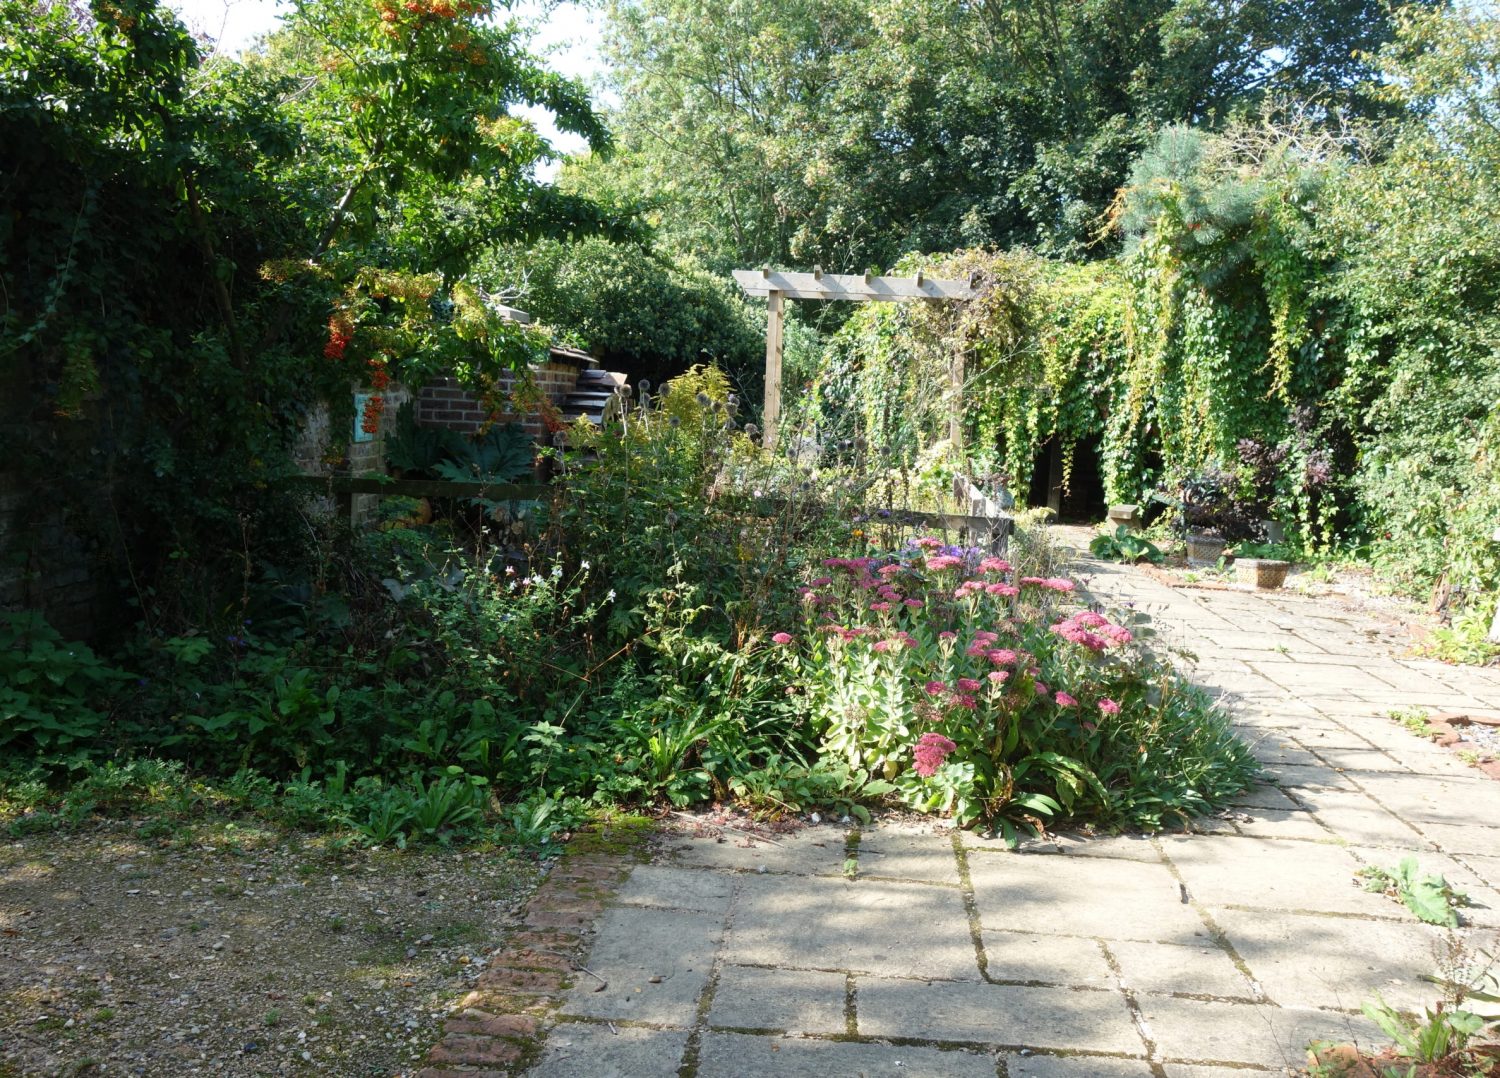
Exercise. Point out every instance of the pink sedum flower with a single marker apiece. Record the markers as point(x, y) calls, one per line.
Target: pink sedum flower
point(1058, 583)
point(937, 562)
point(880, 608)
point(1064, 700)
point(967, 684)
point(1109, 707)
point(994, 565)
point(1001, 656)
point(782, 638)
point(997, 677)
point(931, 751)
point(935, 688)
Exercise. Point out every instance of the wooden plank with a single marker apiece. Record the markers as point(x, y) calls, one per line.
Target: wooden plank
point(771, 414)
point(420, 488)
point(858, 288)
point(956, 404)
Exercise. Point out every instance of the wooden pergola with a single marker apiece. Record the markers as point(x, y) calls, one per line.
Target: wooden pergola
point(777, 287)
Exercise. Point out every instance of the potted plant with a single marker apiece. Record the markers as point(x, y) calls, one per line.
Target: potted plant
point(1205, 501)
point(1261, 565)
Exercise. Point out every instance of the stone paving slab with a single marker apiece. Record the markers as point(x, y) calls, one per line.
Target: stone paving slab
point(1304, 960)
point(1197, 1031)
point(1205, 970)
point(1181, 955)
point(907, 854)
point(872, 926)
point(1273, 874)
point(579, 1048)
point(1081, 897)
point(1033, 958)
point(1064, 1018)
point(732, 1055)
point(1040, 1066)
point(747, 997)
point(816, 850)
point(677, 888)
point(655, 964)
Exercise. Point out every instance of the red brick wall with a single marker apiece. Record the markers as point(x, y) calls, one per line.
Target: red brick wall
point(444, 403)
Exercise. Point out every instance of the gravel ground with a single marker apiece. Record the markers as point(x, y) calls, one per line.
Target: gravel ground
point(233, 951)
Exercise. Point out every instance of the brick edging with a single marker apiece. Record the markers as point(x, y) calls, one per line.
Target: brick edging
point(498, 1028)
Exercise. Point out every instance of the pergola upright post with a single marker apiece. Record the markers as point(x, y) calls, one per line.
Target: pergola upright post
point(772, 412)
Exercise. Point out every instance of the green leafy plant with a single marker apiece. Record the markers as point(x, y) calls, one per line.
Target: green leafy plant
point(1431, 1038)
point(1428, 895)
point(1414, 719)
point(51, 690)
point(781, 787)
point(997, 701)
point(1125, 546)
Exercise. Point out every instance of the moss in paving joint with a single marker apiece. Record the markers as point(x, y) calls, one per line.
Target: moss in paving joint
point(851, 1009)
point(971, 907)
point(1133, 1005)
point(1215, 932)
point(694, 1046)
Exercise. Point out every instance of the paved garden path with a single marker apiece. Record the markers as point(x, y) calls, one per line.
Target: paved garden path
point(1212, 955)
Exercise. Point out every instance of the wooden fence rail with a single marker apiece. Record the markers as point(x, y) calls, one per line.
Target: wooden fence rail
point(984, 523)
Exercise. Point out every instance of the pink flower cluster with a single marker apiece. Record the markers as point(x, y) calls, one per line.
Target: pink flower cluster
point(931, 751)
point(1092, 631)
point(1051, 583)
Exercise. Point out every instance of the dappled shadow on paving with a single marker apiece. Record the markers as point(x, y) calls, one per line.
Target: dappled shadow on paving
point(917, 951)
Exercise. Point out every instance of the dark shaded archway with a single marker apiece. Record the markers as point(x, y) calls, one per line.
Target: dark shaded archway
point(1081, 499)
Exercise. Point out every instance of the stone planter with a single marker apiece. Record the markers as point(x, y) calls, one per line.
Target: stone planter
point(1128, 516)
point(1264, 573)
point(1204, 551)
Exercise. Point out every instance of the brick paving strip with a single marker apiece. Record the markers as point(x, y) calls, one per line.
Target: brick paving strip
point(498, 1027)
point(1218, 954)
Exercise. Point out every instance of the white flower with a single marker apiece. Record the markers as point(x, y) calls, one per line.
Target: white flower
point(611, 596)
point(584, 566)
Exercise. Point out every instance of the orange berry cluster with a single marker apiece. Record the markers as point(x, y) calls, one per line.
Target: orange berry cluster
point(340, 333)
point(440, 9)
point(374, 409)
point(380, 377)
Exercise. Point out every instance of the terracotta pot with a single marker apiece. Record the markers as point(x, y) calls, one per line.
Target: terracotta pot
point(1203, 551)
point(1261, 572)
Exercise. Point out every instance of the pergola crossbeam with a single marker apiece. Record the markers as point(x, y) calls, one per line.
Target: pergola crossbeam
point(776, 287)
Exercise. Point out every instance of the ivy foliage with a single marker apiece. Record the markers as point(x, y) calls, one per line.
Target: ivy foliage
point(196, 256)
point(1304, 321)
